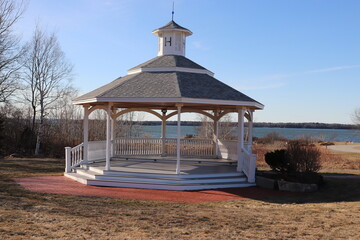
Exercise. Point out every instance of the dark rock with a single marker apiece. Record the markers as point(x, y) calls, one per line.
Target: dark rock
point(267, 183)
point(296, 187)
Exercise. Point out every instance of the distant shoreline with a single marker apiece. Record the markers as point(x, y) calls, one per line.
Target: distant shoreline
point(314, 125)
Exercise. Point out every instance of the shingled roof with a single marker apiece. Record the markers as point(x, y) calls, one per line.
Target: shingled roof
point(171, 26)
point(169, 61)
point(167, 85)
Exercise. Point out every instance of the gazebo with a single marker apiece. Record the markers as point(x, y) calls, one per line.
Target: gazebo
point(166, 86)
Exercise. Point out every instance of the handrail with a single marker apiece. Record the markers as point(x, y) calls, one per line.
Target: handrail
point(73, 157)
point(153, 146)
point(249, 164)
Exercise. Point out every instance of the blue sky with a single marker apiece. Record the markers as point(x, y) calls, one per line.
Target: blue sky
point(300, 58)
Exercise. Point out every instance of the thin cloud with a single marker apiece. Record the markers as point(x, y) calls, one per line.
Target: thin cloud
point(198, 45)
point(337, 68)
point(271, 81)
point(261, 86)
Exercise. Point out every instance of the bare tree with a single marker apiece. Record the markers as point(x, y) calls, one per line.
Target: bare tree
point(206, 128)
point(47, 74)
point(356, 116)
point(10, 52)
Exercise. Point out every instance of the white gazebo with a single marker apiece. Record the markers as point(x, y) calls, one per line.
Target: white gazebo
point(165, 86)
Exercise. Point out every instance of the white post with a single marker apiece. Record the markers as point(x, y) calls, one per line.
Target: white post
point(108, 133)
point(250, 131)
point(216, 134)
point(240, 142)
point(86, 135)
point(113, 120)
point(178, 140)
point(68, 159)
point(163, 136)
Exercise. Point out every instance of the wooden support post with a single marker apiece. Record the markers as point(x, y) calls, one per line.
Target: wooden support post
point(163, 136)
point(250, 131)
point(178, 140)
point(68, 159)
point(112, 132)
point(240, 142)
point(86, 135)
point(108, 140)
point(216, 133)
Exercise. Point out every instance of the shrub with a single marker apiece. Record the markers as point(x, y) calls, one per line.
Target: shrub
point(299, 157)
point(303, 157)
point(270, 138)
point(277, 160)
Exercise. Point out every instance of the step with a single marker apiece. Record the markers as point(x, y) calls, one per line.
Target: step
point(159, 181)
point(86, 173)
point(77, 177)
point(161, 178)
point(182, 176)
point(167, 186)
point(170, 181)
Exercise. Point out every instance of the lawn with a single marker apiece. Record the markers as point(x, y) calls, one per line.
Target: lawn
point(331, 213)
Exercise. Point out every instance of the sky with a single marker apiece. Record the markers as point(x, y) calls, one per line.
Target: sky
point(300, 58)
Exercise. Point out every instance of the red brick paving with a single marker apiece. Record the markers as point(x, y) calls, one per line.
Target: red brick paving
point(63, 185)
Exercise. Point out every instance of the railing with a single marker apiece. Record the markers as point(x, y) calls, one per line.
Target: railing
point(228, 149)
point(137, 146)
point(190, 147)
point(96, 150)
point(153, 146)
point(73, 157)
point(249, 164)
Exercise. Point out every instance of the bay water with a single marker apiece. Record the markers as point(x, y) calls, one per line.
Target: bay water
point(351, 135)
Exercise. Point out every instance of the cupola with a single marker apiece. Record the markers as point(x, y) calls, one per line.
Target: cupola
point(172, 39)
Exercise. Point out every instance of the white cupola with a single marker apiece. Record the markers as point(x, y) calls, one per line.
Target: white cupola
point(172, 39)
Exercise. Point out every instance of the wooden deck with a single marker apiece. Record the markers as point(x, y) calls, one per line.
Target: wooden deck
point(167, 165)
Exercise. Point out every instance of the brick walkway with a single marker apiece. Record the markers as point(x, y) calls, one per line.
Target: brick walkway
point(63, 185)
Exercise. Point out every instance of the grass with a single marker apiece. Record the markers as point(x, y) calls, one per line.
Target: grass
point(331, 213)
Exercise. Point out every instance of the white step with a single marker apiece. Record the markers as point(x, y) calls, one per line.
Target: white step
point(183, 176)
point(96, 177)
point(167, 186)
point(77, 177)
point(170, 181)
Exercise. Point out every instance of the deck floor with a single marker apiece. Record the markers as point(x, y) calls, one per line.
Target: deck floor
point(167, 165)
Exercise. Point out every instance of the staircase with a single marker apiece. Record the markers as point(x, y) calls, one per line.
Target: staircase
point(97, 176)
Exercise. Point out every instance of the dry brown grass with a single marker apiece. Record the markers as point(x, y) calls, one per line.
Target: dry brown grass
point(331, 213)
point(341, 162)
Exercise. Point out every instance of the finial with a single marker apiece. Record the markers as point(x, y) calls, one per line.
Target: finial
point(172, 13)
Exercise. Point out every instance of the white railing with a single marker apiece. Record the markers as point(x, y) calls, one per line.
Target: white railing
point(96, 150)
point(137, 146)
point(228, 149)
point(73, 157)
point(190, 147)
point(249, 164)
point(153, 146)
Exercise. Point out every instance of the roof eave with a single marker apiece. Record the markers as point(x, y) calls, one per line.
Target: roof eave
point(251, 104)
point(158, 31)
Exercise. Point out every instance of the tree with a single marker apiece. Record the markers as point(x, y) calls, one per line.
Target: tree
point(356, 116)
point(10, 52)
point(47, 75)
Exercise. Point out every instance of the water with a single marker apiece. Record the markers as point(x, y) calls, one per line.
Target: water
point(289, 133)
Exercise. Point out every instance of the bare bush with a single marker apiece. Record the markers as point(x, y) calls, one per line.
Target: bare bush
point(271, 138)
point(303, 157)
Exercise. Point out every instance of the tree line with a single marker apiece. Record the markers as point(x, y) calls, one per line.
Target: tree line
point(35, 79)
point(37, 116)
